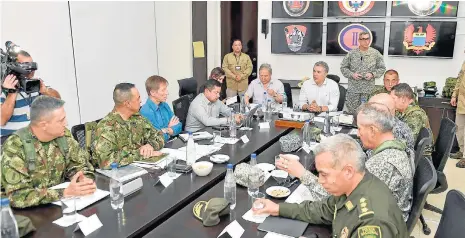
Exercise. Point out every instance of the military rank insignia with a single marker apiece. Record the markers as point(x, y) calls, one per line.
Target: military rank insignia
point(296, 8)
point(295, 35)
point(369, 232)
point(348, 36)
point(356, 8)
point(419, 39)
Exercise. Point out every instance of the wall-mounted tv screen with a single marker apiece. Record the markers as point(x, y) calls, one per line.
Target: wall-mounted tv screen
point(424, 8)
point(357, 8)
point(296, 38)
point(343, 37)
point(297, 9)
point(422, 38)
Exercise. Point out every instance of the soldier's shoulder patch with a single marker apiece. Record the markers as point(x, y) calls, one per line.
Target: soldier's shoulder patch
point(369, 232)
point(12, 176)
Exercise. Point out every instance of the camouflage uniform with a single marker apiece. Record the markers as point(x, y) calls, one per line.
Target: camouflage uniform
point(415, 117)
point(30, 188)
point(357, 61)
point(119, 141)
point(369, 211)
point(381, 89)
point(390, 163)
point(402, 132)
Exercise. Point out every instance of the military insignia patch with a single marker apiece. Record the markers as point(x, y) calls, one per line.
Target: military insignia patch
point(296, 8)
point(348, 37)
point(424, 8)
point(345, 232)
point(356, 8)
point(369, 232)
point(12, 176)
point(418, 41)
point(295, 36)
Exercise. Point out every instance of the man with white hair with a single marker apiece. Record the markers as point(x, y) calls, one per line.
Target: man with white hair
point(389, 162)
point(360, 205)
point(43, 155)
point(265, 87)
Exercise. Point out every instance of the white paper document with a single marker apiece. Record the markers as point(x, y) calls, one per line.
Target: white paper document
point(353, 132)
point(124, 173)
point(264, 125)
point(234, 229)
point(331, 114)
point(201, 135)
point(245, 139)
point(231, 100)
point(65, 221)
point(89, 225)
point(319, 119)
point(203, 150)
point(299, 195)
point(275, 235)
point(84, 201)
point(166, 180)
point(226, 140)
point(249, 216)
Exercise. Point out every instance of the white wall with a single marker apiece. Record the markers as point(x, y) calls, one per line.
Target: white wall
point(113, 42)
point(213, 35)
point(42, 29)
point(413, 71)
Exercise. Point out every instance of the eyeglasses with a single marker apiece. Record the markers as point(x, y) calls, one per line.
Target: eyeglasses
point(363, 38)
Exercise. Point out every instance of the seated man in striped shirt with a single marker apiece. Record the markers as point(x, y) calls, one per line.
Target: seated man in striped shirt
point(15, 105)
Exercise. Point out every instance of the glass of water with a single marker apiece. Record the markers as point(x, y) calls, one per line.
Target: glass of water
point(334, 124)
point(216, 135)
point(256, 204)
point(171, 165)
point(68, 209)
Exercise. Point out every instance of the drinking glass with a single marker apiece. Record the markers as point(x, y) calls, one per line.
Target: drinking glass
point(334, 124)
point(278, 179)
point(171, 165)
point(216, 135)
point(68, 209)
point(257, 205)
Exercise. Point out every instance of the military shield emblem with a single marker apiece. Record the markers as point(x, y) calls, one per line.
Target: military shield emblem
point(348, 36)
point(296, 8)
point(295, 35)
point(424, 8)
point(356, 8)
point(419, 40)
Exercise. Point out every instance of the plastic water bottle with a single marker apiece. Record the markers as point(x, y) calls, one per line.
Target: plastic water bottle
point(253, 176)
point(327, 126)
point(190, 150)
point(242, 105)
point(230, 187)
point(269, 111)
point(232, 125)
point(116, 189)
point(8, 221)
point(264, 101)
point(284, 104)
point(306, 134)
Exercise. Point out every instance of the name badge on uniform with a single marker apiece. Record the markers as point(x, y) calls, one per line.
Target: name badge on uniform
point(238, 67)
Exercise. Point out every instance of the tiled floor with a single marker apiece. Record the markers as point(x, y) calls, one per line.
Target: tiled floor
point(455, 180)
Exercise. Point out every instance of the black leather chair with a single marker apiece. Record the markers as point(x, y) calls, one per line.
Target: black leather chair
point(451, 224)
point(439, 157)
point(188, 87)
point(334, 77)
point(423, 183)
point(79, 134)
point(423, 140)
point(342, 97)
point(181, 108)
point(288, 91)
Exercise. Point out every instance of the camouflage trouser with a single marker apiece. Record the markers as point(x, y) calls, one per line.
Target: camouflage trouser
point(354, 100)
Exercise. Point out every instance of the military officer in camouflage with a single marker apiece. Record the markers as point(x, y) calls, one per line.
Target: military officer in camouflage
point(124, 136)
point(407, 111)
point(361, 205)
point(391, 79)
point(458, 100)
point(43, 155)
point(361, 66)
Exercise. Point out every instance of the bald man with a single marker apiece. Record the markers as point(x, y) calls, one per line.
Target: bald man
point(401, 130)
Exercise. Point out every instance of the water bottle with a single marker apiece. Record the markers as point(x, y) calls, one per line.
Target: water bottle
point(232, 125)
point(306, 134)
point(253, 176)
point(116, 188)
point(269, 111)
point(8, 221)
point(327, 125)
point(284, 104)
point(190, 150)
point(264, 101)
point(242, 105)
point(230, 187)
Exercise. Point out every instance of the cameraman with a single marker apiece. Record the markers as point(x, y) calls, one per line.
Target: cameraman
point(15, 104)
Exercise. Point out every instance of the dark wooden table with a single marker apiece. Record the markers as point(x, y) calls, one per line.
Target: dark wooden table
point(184, 224)
point(152, 205)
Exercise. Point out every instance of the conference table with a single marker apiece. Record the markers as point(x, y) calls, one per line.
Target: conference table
point(149, 207)
point(193, 228)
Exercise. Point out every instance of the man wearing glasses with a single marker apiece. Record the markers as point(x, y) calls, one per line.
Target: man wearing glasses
point(361, 66)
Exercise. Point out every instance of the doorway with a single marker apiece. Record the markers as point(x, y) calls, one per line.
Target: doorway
point(239, 20)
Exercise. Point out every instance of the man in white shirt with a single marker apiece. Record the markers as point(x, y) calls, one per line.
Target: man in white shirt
point(273, 89)
point(320, 94)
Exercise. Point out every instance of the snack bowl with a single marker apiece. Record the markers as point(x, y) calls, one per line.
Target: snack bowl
point(202, 168)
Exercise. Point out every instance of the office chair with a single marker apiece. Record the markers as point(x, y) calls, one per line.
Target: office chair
point(288, 92)
point(188, 86)
point(451, 224)
point(334, 77)
point(423, 140)
point(181, 108)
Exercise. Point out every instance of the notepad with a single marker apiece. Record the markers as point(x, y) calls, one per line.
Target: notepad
point(284, 226)
point(84, 201)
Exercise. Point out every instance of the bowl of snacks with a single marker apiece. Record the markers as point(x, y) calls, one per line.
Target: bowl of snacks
point(202, 168)
point(278, 191)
